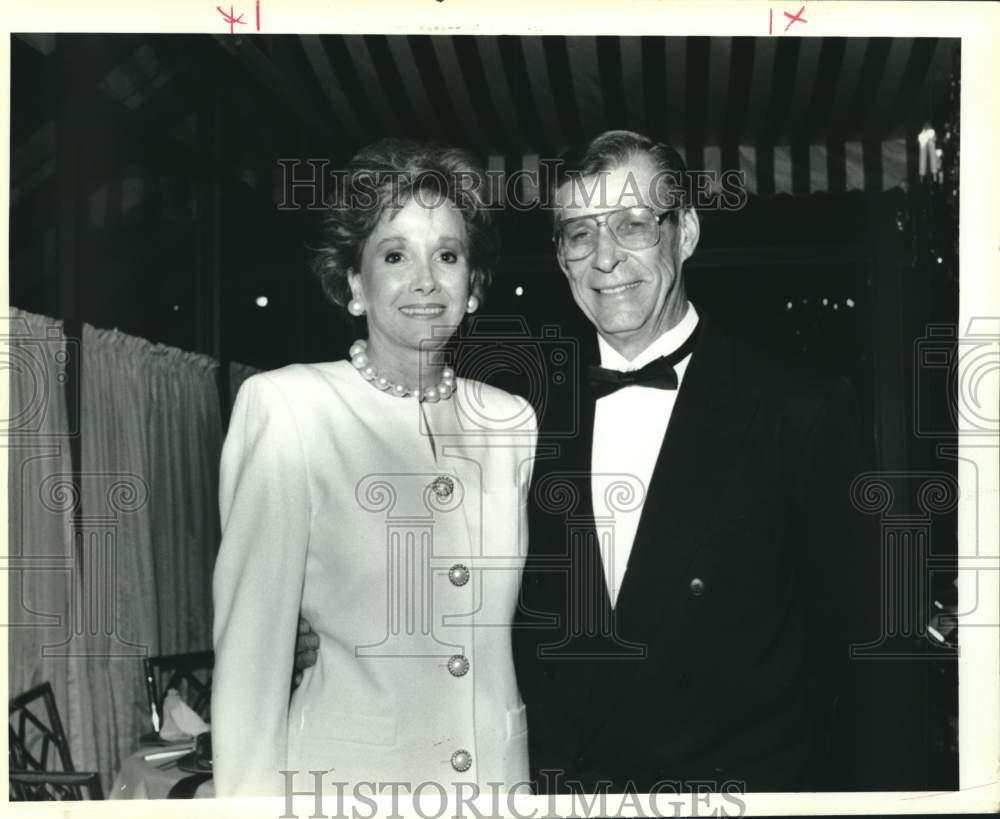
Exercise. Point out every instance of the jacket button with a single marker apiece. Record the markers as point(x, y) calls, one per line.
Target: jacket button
point(697, 587)
point(461, 760)
point(458, 575)
point(458, 665)
point(443, 487)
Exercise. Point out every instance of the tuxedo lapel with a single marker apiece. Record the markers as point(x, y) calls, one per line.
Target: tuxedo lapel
point(572, 465)
point(566, 574)
point(711, 414)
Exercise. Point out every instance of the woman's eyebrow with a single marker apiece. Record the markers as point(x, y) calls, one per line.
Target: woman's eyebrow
point(400, 238)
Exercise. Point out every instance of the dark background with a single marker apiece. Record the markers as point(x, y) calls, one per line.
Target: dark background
point(145, 179)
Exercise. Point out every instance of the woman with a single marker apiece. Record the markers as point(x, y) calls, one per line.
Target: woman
point(371, 494)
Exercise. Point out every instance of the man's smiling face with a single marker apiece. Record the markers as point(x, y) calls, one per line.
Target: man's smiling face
point(631, 296)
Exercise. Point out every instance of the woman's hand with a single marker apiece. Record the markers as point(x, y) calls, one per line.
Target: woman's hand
point(306, 646)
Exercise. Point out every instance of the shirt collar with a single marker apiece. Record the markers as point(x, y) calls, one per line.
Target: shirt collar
point(664, 345)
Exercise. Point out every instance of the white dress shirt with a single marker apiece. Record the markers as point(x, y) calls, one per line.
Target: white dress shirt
point(629, 426)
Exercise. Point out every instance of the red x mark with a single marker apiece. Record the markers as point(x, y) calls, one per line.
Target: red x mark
point(797, 18)
point(229, 18)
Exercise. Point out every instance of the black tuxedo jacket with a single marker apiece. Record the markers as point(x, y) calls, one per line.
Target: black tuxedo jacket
point(721, 660)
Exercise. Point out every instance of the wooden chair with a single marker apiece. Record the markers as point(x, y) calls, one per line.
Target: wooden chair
point(41, 767)
point(191, 676)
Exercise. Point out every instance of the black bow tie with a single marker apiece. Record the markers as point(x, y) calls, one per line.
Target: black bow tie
point(659, 373)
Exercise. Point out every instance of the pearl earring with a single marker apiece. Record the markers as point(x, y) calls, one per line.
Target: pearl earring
point(355, 307)
point(473, 304)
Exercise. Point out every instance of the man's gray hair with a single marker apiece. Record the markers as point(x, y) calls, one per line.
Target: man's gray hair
point(614, 149)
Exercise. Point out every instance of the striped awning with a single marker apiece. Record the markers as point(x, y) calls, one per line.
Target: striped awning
point(769, 169)
point(796, 115)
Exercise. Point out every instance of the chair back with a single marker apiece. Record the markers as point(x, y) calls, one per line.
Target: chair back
point(52, 786)
point(37, 739)
point(189, 674)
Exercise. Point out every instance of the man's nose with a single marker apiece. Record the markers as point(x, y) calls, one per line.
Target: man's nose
point(607, 254)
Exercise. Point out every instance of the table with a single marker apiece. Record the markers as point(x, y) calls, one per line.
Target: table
point(142, 779)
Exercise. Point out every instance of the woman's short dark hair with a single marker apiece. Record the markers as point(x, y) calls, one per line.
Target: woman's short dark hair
point(389, 174)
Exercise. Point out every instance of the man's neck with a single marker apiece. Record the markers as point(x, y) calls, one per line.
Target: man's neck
point(634, 349)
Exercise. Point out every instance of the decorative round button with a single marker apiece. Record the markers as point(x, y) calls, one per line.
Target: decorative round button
point(461, 761)
point(443, 487)
point(458, 665)
point(458, 575)
point(697, 586)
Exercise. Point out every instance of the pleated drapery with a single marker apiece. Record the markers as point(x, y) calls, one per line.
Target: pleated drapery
point(151, 436)
point(41, 571)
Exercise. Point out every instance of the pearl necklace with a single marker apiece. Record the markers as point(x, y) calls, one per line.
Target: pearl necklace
point(359, 358)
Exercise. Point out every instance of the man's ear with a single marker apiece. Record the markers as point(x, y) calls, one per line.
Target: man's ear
point(690, 231)
point(562, 264)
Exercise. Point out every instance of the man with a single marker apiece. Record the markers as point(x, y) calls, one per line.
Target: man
point(681, 619)
point(680, 613)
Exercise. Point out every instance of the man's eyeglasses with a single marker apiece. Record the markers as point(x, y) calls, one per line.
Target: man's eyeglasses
point(635, 228)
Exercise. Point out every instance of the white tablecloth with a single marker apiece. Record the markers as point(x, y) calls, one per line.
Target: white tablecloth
point(139, 779)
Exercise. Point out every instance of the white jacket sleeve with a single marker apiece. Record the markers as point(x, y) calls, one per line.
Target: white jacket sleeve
point(527, 471)
point(257, 588)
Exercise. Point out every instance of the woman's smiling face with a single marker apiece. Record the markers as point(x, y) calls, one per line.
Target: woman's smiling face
point(414, 276)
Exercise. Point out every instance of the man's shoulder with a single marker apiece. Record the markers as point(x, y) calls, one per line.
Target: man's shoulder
point(775, 372)
point(792, 399)
point(790, 406)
